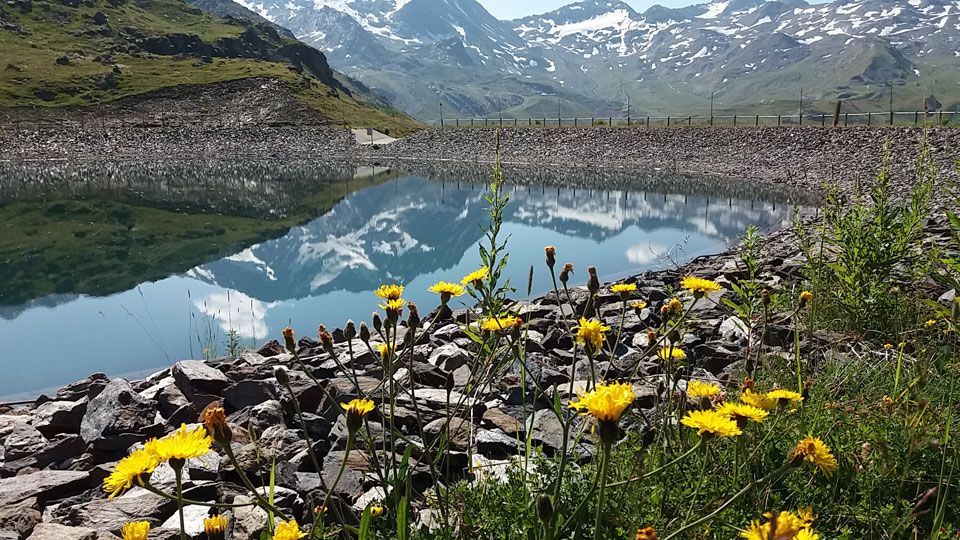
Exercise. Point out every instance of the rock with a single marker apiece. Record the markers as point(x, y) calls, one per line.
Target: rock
point(271, 348)
point(87, 388)
point(55, 417)
point(137, 504)
point(458, 432)
point(99, 18)
point(20, 518)
point(351, 482)
point(169, 399)
point(259, 417)
point(61, 449)
point(495, 444)
point(54, 531)
point(249, 392)
point(117, 410)
point(23, 441)
point(43, 485)
point(248, 521)
point(495, 418)
point(9, 422)
point(193, 516)
point(63, 60)
point(557, 338)
point(195, 377)
point(947, 297)
point(733, 328)
point(449, 357)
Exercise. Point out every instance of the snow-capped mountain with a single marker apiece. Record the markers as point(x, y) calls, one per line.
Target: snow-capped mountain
point(595, 53)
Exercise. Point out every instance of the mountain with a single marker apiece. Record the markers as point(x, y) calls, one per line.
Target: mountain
point(89, 52)
point(588, 57)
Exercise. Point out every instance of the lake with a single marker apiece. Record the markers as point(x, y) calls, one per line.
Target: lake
point(126, 268)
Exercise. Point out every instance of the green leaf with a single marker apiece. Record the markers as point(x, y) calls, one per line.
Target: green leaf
point(403, 532)
point(364, 532)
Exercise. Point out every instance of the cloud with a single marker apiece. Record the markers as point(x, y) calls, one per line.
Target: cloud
point(646, 253)
point(234, 310)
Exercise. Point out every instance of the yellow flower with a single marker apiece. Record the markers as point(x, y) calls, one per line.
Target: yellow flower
point(355, 411)
point(288, 530)
point(389, 292)
point(646, 534)
point(376, 510)
point(700, 286)
point(815, 451)
point(673, 307)
point(930, 323)
point(786, 526)
point(623, 287)
point(741, 412)
point(779, 394)
point(698, 389)
point(711, 421)
point(805, 298)
point(136, 530)
point(497, 324)
point(132, 468)
point(393, 308)
point(638, 306)
point(606, 402)
point(181, 444)
point(592, 334)
point(888, 345)
point(386, 349)
point(288, 340)
point(215, 419)
point(671, 353)
point(807, 534)
point(447, 289)
point(474, 278)
point(760, 400)
point(215, 526)
point(807, 516)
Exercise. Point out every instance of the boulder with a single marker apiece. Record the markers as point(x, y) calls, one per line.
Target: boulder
point(55, 531)
point(116, 410)
point(249, 392)
point(137, 504)
point(55, 417)
point(20, 518)
point(23, 441)
point(43, 485)
point(195, 377)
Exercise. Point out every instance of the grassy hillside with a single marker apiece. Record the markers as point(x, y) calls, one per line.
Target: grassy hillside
point(73, 53)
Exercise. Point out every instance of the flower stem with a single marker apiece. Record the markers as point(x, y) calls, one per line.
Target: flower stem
point(249, 485)
point(604, 459)
point(178, 475)
point(343, 465)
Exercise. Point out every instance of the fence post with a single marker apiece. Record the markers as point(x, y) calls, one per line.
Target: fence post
point(514, 121)
point(711, 120)
point(484, 122)
point(628, 121)
point(846, 118)
point(689, 120)
point(648, 121)
point(610, 121)
point(778, 120)
point(756, 121)
point(869, 118)
point(940, 117)
point(668, 121)
point(734, 120)
point(916, 116)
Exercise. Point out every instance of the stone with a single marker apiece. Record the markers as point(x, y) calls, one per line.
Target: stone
point(61, 449)
point(458, 432)
point(23, 441)
point(196, 377)
point(193, 516)
point(20, 518)
point(170, 399)
point(55, 417)
point(271, 348)
point(449, 357)
point(249, 392)
point(495, 444)
point(99, 18)
point(9, 422)
point(55, 531)
point(495, 418)
point(116, 410)
point(44, 485)
point(259, 417)
point(351, 482)
point(248, 521)
point(137, 504)
point(87, 388)
point(733, 328)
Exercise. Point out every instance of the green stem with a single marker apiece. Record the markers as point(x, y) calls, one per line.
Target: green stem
point(700, 482)
point(343, 465)
point(178, 475)
point(605, 458)
point(662, 468)
point(149, 487)
point(249, 485)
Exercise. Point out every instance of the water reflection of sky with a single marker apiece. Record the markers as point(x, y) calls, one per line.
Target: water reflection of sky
point(411, 231)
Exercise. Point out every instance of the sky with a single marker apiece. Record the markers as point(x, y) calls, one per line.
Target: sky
point(513, 9)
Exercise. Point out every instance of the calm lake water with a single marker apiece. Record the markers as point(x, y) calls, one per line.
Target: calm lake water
point(128, 268)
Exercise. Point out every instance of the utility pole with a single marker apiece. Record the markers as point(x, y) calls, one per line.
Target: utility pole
point(801, 106)
point(711, 107)
point(500, 109)
point(891, 103)
point(441, 114)
point(628, 109)
point(558, 113)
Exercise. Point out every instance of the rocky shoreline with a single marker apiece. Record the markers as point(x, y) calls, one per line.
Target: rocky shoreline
point(798, 157)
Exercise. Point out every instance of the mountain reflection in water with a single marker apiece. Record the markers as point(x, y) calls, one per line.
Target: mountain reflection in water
point(407, 230)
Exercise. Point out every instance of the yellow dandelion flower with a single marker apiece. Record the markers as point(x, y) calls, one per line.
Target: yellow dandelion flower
point(814, 450)
point(386, 349)
point(673, 307)
point(711, 421)
point(376, 510)
point(474, 278)
point(646, 534)
point(389, 292)
point(133, 468)
point(698, 389)
point(498, 324)
point(806, 534)
point(136, 530)
point(785, 526)
point(741, 412)
point(393, 307)
point(606, 402)
point(592, 334)
point(355, 411)
point(807, 516)
point(700, 286)
point(638, 305)
point(181, 444)
point(760, 399)
point(888, 345)
point(623, 287)
point(805, 297)
point(671, 353)
point(930, 323)
point(451, 289)
point(215, 526)
point(288, 530)
point(780, 395)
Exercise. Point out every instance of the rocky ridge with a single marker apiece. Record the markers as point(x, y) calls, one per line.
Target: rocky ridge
point(56, 451)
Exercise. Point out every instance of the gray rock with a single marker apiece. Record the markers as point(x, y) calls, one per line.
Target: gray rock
point(116, 410)
point(55, 531)
point(170, 399)
point(351, 482)
point(44, 485)
point(248, 521)
point(87, 388)
point(23, 441)
point(733, 328)
point(449, 357)
point(259, 417)
point(55, 417)
point(458, 432)
point(249, 392)
point(20, 518)
point(195, 377)
point(193, 516)
point(137, 504)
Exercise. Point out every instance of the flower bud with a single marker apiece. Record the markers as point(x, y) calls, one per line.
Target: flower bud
point(593, 283)
point(765, 297)
point(545, 508)
point(288, 341)
point(281, 374)
point(377, 322)
point(551, 255)
point(565, 273)
point(364, 332)
point(413, 317)
point(350, 330)
point(215, 421)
